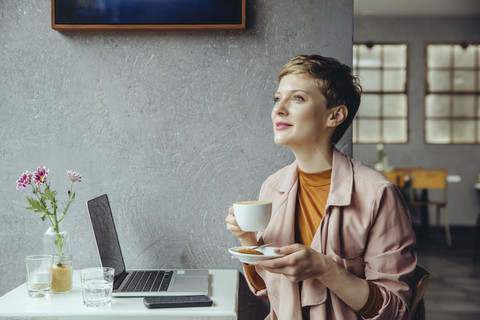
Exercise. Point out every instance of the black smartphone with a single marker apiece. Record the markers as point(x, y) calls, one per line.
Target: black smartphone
point(177, 301)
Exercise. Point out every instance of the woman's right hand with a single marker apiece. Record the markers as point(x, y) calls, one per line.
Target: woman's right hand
point(247, 238)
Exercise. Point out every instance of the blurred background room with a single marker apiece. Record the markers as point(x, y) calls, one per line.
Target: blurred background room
point(419, 63)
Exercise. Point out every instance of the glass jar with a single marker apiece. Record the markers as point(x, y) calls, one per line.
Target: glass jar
point(56, 243)
point(62, 272)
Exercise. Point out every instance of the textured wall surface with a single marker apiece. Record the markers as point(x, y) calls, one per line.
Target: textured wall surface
point(173, 126)
point(462, 160)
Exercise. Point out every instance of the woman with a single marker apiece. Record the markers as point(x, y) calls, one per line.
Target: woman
point(343, 228)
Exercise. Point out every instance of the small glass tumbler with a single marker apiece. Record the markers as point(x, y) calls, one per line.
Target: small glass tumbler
point(97, 286)
point(39, 275)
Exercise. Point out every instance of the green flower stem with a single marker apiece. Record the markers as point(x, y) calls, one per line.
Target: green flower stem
point(53, 201)
point(70, 200)
point(59, 241)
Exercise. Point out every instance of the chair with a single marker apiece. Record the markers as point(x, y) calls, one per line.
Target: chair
point(427, 181)
point(420, 281)
point(401, 176)
point(396, 176)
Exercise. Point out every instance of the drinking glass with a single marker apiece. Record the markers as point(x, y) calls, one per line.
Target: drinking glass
point(97, 286)
point(39, 275)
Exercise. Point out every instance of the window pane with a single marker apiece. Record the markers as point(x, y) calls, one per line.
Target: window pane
point(354, 131)
point(464, 80)
point(478, 77)
point(438, 56)
point(439, 80)
point(394, 80)
point(464, 57)
point(464, 106)
point(369, 57)
point(437, 106)
point(478, 131)
point(478, 52)
point(395, 105)
point(395, 131)
point(369, 130)
point(369, 106)
point(437, 131)
point(463, 131)
point(395, 56)
point(370, 80)
point(381, 69)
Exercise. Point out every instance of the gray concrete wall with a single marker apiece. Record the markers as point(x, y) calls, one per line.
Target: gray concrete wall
point(462, 160)
point(173, 126)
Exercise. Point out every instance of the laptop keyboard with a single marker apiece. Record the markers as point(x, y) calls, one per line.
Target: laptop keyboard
point(147, 281)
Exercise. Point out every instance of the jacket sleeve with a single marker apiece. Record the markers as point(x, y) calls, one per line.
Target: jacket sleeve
point(262, 293)
point(251, 274)
point(389, 256)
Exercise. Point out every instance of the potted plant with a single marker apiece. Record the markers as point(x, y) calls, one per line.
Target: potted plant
point(55, 242)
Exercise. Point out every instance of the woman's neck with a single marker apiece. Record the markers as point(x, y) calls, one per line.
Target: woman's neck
point(314, 159)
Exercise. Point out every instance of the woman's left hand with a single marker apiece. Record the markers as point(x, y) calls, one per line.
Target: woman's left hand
point(300, 263)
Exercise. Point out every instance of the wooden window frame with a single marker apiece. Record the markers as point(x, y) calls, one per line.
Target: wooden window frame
point(453, 93)
point(382, 93)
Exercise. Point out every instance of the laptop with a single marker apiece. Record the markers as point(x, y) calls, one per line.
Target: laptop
point(138, 283)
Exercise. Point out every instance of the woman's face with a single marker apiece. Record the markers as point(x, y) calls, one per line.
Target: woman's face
point(300, 114)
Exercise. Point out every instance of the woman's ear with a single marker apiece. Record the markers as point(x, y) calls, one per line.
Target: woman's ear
point(337, 116)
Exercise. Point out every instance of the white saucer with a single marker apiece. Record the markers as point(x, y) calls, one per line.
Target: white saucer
point(268, 253)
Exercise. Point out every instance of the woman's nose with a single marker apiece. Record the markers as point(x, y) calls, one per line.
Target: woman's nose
point(280, 108)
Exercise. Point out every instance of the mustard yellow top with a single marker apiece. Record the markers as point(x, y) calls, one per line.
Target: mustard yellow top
point(312, 194)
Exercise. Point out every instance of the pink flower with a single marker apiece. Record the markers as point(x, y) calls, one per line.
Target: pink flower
point(74, 176)
point(40, 175)
point(24, 180)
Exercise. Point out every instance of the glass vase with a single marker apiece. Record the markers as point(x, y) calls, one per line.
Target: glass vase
point(62, 272)
point(56, 243)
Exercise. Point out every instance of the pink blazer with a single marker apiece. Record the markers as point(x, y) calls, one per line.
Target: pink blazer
point(366, 229)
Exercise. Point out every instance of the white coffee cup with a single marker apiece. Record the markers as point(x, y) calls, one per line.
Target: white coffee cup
point(252, 215)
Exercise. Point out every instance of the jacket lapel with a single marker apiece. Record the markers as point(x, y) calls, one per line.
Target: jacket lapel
point(283, 225)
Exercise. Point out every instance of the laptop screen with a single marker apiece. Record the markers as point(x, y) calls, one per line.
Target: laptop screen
point(106, 234)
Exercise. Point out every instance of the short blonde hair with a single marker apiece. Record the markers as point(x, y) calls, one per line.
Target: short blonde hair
point(334, 80)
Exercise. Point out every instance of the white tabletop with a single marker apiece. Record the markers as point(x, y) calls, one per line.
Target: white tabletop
point(17, 305)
